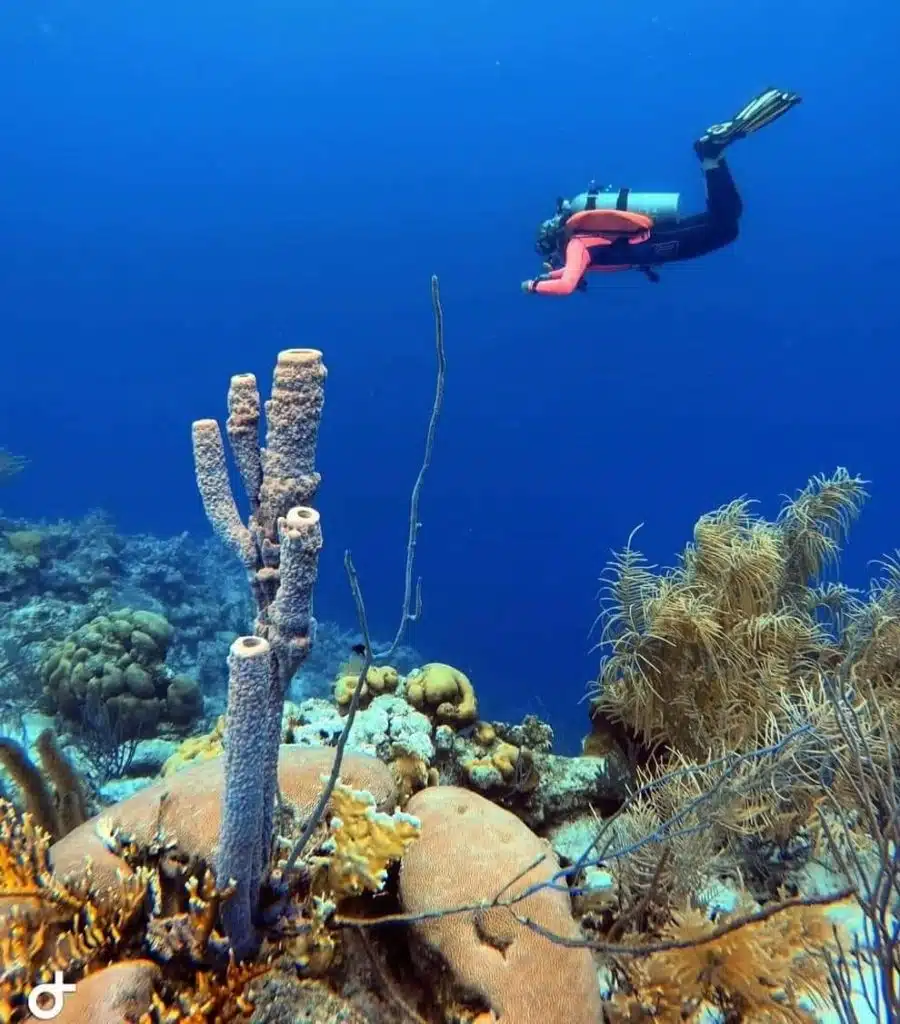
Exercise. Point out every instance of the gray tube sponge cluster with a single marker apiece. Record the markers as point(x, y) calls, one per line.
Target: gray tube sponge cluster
point(279, 546)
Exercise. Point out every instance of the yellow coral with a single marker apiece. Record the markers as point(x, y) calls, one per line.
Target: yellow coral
point(364, 842)
point(445, 691)
point(485, 734)
point(379, 679)
point(197, 748)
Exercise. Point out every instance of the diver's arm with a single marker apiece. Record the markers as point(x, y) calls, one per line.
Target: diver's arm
point(566, 280)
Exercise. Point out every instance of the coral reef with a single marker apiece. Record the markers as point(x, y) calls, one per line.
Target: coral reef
point(725, 849)
point(77, 571)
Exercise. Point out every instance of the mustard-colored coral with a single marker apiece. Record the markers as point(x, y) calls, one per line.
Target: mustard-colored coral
point(379, 679)
point(501, 757)
point(444, 691)
point(364, 842)
point(411, 774)
point(197, 748)
point(484, 734)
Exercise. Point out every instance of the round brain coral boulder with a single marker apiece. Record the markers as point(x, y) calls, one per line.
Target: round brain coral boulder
point(115, 665)
point(470, 850)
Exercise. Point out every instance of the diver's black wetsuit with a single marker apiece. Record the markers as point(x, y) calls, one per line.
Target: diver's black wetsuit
point(687, 237)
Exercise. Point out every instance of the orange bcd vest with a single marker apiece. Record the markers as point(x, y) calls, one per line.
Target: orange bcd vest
point(608, 226)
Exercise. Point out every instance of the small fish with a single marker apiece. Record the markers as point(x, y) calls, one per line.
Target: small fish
point(359, 649)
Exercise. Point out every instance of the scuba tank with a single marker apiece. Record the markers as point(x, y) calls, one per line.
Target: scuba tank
point(660, 206)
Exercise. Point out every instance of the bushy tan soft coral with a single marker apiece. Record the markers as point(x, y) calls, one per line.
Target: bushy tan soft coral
point(698, 653)
point(760, 972)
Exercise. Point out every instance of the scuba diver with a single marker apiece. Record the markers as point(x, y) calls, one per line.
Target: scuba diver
point(616, 229)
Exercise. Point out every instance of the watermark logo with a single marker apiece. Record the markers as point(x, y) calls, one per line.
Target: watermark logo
point(45, 1002)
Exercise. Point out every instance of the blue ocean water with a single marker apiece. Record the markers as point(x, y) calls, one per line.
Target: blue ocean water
point(185, 189)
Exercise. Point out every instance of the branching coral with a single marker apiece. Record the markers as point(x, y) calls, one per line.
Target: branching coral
point(50, 925)
point(364, 842)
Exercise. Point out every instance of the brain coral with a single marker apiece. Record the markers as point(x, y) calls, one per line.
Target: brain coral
point(469, 850)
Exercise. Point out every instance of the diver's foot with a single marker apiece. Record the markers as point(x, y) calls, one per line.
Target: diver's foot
point(760, 111)
point(709, 146)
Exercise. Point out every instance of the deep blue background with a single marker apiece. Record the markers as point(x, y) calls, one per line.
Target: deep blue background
point(185, 188)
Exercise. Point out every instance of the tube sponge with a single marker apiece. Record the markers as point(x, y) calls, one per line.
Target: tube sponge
point(300, 537)
point(293, 414)
point(241, 852)
point(243, 433)
point(221, 509)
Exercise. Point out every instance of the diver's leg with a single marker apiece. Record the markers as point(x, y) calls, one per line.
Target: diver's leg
point(696, 235)
point(723, 201)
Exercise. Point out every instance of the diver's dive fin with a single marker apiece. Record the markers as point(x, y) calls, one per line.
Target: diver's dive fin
point(760, 111)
